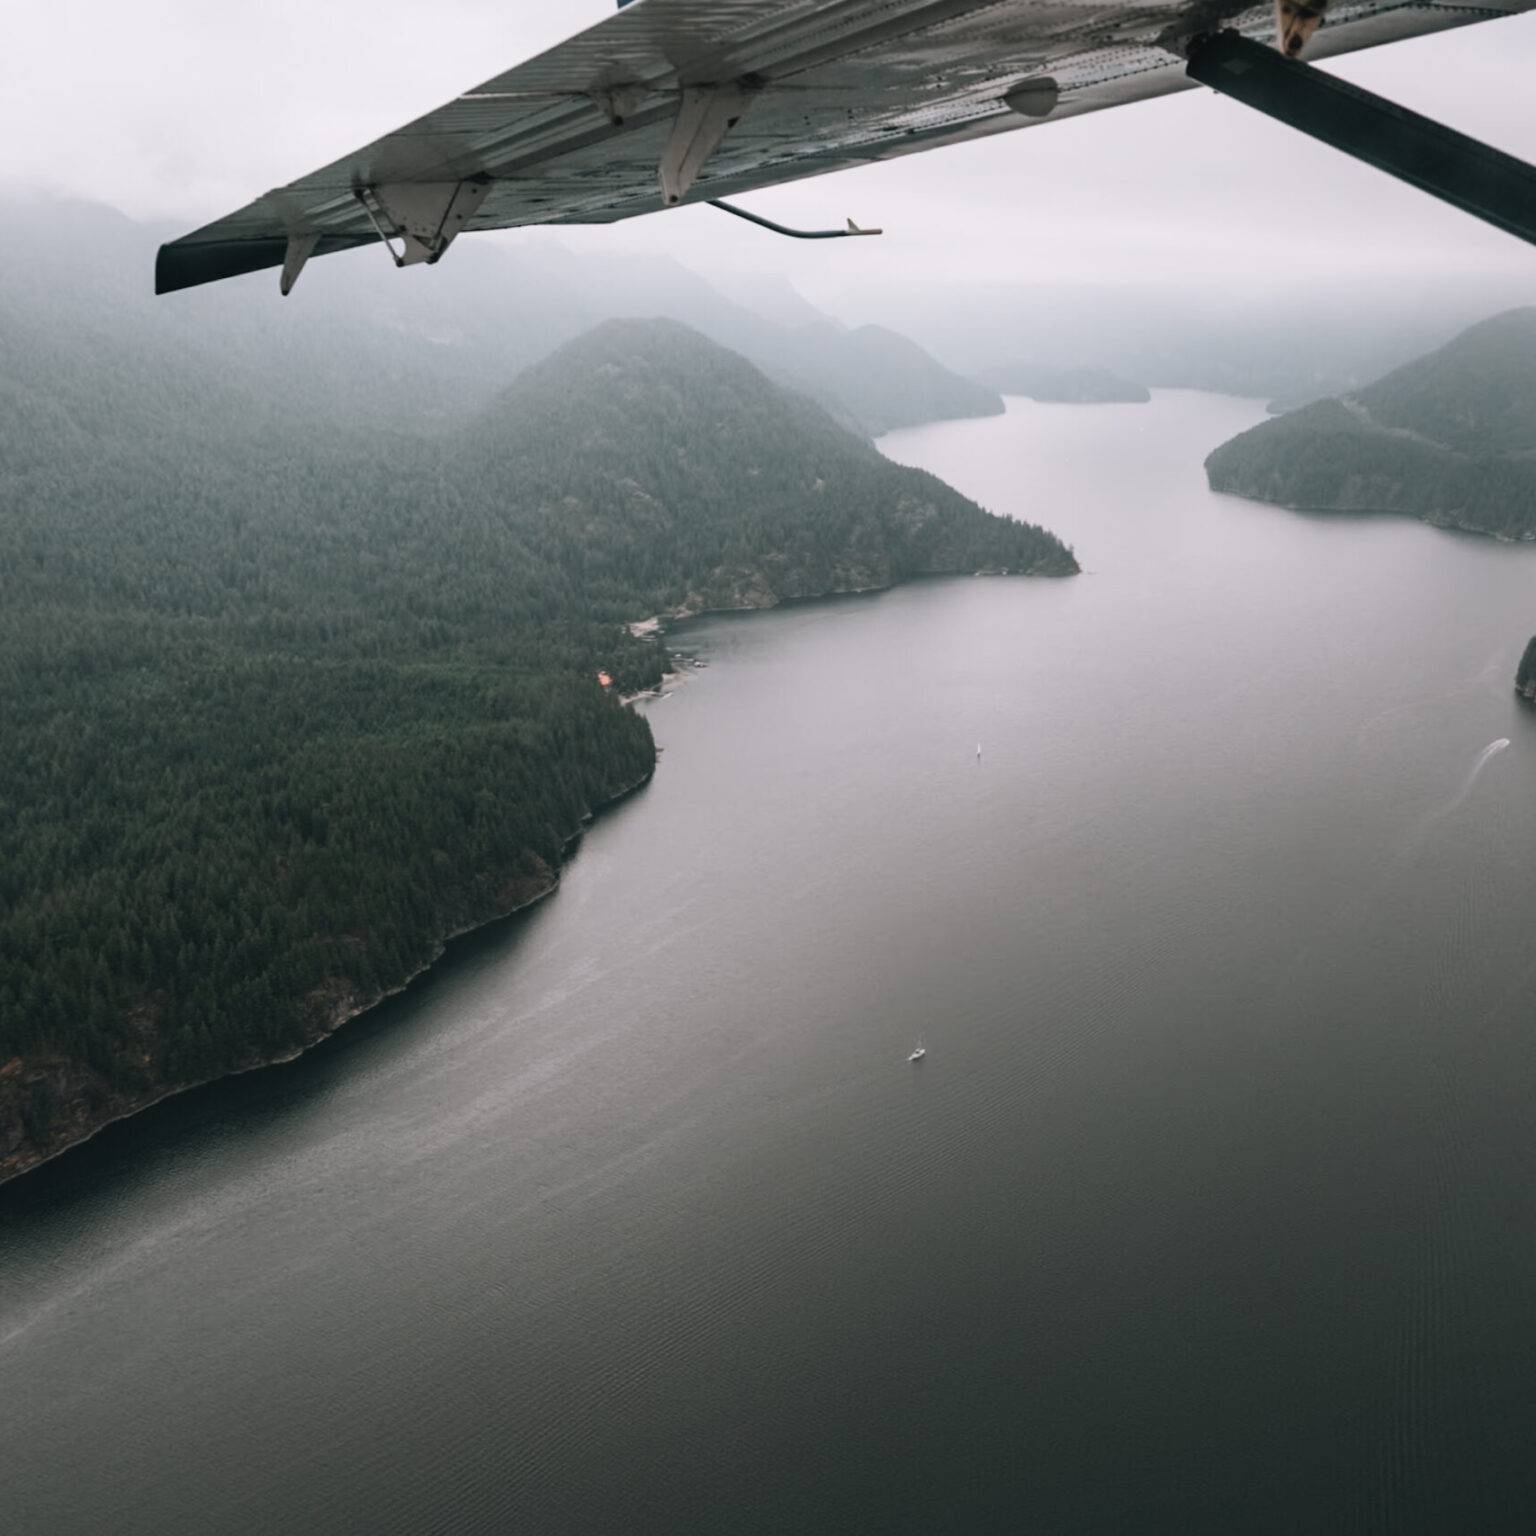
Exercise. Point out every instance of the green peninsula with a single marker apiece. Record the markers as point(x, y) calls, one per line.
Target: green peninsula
point(1449, 438)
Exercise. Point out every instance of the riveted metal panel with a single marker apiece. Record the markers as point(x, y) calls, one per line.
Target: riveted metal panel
point(839, 83)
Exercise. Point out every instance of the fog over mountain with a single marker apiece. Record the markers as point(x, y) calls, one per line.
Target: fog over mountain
point(424, 344)
point(375, 343)
point(1232, 337)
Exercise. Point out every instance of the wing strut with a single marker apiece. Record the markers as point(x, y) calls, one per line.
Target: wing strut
point(705, 114)
point(1469, 175)
point(784, 229)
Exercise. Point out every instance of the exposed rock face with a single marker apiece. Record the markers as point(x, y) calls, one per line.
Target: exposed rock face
point(1525, 674)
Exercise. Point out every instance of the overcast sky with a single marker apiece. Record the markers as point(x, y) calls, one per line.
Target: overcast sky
point(185, 109)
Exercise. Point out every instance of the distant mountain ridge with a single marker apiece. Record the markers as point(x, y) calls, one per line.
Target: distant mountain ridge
point(359, 342)
point(1067, 386)
point(1449, 438)
point(1168, 333)
point(875, 379)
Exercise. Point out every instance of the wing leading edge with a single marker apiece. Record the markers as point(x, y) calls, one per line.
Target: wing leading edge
point(670, 102)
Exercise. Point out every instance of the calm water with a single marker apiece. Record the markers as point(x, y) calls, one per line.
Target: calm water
point(1212, 1209)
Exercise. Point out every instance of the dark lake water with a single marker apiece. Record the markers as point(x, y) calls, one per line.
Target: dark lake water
point(1212, 1209)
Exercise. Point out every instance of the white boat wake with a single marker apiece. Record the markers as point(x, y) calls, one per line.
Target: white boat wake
point(1484, 757)
point(1468, 784)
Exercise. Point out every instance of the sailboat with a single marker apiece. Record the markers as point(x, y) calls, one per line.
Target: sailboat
point(918, 1051)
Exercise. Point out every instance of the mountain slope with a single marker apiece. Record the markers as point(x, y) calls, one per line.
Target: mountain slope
point(1449, 438)
point(691, 481)
point(291, 694)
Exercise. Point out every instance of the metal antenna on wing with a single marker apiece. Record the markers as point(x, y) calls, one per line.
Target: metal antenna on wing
point(784, 229)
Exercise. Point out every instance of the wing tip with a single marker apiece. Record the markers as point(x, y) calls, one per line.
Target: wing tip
point(166, 276)
point(188, 263)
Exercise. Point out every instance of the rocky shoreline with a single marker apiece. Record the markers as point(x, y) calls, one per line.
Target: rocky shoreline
point(83, 1105)
point(94, 1112)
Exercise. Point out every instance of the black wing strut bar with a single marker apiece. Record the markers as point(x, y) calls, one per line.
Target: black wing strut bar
point(1482, 181)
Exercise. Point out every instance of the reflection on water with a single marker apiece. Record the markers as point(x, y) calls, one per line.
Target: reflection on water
point(1207, 1210)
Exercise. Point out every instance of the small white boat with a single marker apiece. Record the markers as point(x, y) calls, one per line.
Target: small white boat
point(918, 1052)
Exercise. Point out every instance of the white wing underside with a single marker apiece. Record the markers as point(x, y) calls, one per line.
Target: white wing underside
point(579, 134)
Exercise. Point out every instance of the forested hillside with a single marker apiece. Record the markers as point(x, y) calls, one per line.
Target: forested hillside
point(626, 482)
point(1450, 438)
point(291, 693)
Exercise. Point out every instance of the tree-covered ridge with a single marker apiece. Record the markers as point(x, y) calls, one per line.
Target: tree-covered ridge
point(1450, 438)
point(1477, 394)
point(659, 430)
point(288, 701)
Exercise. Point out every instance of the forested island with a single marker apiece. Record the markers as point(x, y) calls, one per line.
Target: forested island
point(1525, 673)
point(1449, 438)
point(1068, 386)
point(291, 696)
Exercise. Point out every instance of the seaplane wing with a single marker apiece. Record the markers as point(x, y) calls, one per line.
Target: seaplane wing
point(671, 102)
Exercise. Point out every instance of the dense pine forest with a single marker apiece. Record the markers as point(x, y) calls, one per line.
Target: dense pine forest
point(290, 694)
point(1450, 438)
